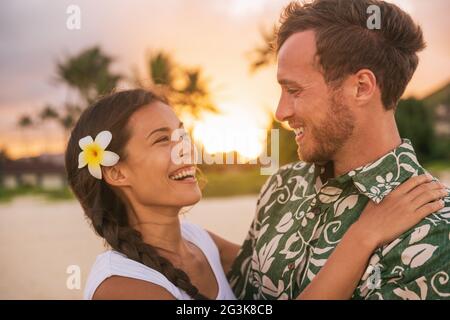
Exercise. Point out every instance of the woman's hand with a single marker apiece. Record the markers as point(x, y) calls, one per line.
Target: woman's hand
point(403, 208)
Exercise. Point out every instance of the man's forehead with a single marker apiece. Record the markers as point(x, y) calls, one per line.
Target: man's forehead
point(297, 52)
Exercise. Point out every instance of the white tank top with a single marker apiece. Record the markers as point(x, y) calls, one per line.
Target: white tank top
point(113, 263)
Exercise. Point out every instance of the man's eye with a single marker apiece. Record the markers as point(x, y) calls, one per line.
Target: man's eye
point(292, 91)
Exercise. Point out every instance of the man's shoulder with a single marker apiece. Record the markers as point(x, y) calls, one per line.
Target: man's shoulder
point(411, 265)
point(426, 244)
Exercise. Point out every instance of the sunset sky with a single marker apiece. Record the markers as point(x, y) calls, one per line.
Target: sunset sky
point(213, 34)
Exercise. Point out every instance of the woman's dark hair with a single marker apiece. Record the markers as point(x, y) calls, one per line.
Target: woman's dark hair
point(101, 205)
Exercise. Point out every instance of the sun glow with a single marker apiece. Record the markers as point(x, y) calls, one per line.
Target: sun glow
point(230, 132)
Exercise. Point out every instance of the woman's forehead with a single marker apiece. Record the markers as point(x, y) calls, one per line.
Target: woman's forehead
point(153, 116)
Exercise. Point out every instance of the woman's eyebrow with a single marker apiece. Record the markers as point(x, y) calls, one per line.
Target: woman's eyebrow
point(163, 129)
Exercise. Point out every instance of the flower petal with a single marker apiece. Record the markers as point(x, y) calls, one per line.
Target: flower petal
point(81, 160)
point(95, 170)
point(389, 177)
point(85, 141)
point(109, 158)
point(103, 139)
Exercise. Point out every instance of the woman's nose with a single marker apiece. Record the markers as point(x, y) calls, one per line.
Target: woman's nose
point(187, 151)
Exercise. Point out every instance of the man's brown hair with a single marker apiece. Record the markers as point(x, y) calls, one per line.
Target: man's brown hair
point(345, 44)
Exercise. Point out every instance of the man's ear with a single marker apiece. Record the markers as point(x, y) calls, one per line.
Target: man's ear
point(365, 86)
point(115, 175)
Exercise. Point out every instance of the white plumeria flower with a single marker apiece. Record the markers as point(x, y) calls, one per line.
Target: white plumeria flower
point(94, 153)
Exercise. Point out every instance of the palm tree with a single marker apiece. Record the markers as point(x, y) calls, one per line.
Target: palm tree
point(186, 88)
point(25, 123)
point(48, 113)
point(161, 69)
point(88, 73)
point(264, 54)
point(194, 96)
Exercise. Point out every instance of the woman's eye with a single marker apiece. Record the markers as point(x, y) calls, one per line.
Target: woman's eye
point(162, 139)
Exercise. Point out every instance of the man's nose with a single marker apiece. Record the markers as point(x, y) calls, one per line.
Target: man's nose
point(285, 110)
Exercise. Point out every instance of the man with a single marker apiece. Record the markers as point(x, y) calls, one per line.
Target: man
point(341, 82)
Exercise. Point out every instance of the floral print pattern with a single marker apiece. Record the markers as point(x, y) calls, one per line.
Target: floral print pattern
point(301, 215)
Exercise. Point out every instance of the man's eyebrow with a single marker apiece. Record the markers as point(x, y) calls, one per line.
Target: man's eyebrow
point(288, 82)
point(163, 129)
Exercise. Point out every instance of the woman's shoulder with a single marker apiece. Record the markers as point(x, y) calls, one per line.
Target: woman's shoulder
point(124, 288)
point(112, 264)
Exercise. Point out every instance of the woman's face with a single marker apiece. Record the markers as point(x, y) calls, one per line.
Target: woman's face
point(152, 167)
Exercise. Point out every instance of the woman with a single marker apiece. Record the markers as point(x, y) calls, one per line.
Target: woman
point(132, 191)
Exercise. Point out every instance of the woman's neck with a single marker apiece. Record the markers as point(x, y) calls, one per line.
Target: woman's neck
point(160, 227)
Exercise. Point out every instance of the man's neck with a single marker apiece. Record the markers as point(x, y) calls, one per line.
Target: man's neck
point(373, 140)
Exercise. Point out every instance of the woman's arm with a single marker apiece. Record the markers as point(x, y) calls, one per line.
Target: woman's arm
point(341, 273)
point(378, 224)
point(228, 251)
point(123, 288)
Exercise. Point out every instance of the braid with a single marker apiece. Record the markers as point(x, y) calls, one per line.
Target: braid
point(112, 225)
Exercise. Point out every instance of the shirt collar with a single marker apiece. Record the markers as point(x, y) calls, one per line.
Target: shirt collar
point(379, 178)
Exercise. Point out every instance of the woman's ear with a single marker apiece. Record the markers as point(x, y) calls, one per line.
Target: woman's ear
point(115, 175)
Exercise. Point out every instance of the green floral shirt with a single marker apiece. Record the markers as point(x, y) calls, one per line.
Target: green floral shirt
point(302, 213)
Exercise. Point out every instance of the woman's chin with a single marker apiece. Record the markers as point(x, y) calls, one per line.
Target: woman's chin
point(189, 198)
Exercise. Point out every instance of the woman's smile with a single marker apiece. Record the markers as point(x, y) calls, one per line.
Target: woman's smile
point(185, 174)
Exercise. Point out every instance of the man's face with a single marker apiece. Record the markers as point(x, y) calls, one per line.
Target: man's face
point(323, 123)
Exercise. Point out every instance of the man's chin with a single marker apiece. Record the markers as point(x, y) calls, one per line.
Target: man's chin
point(304, 158)
point(311, 158)
point(304, 155)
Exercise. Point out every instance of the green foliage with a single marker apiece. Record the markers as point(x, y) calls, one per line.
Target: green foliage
point(6, 195)
point(415, 122)
point(25, 121)
point(441, 150)
point(287, 146)
point(88, 73)
point(437, 166)
point(264, 54)
point(160, 68)
point(232, 183)
point(186, 89)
